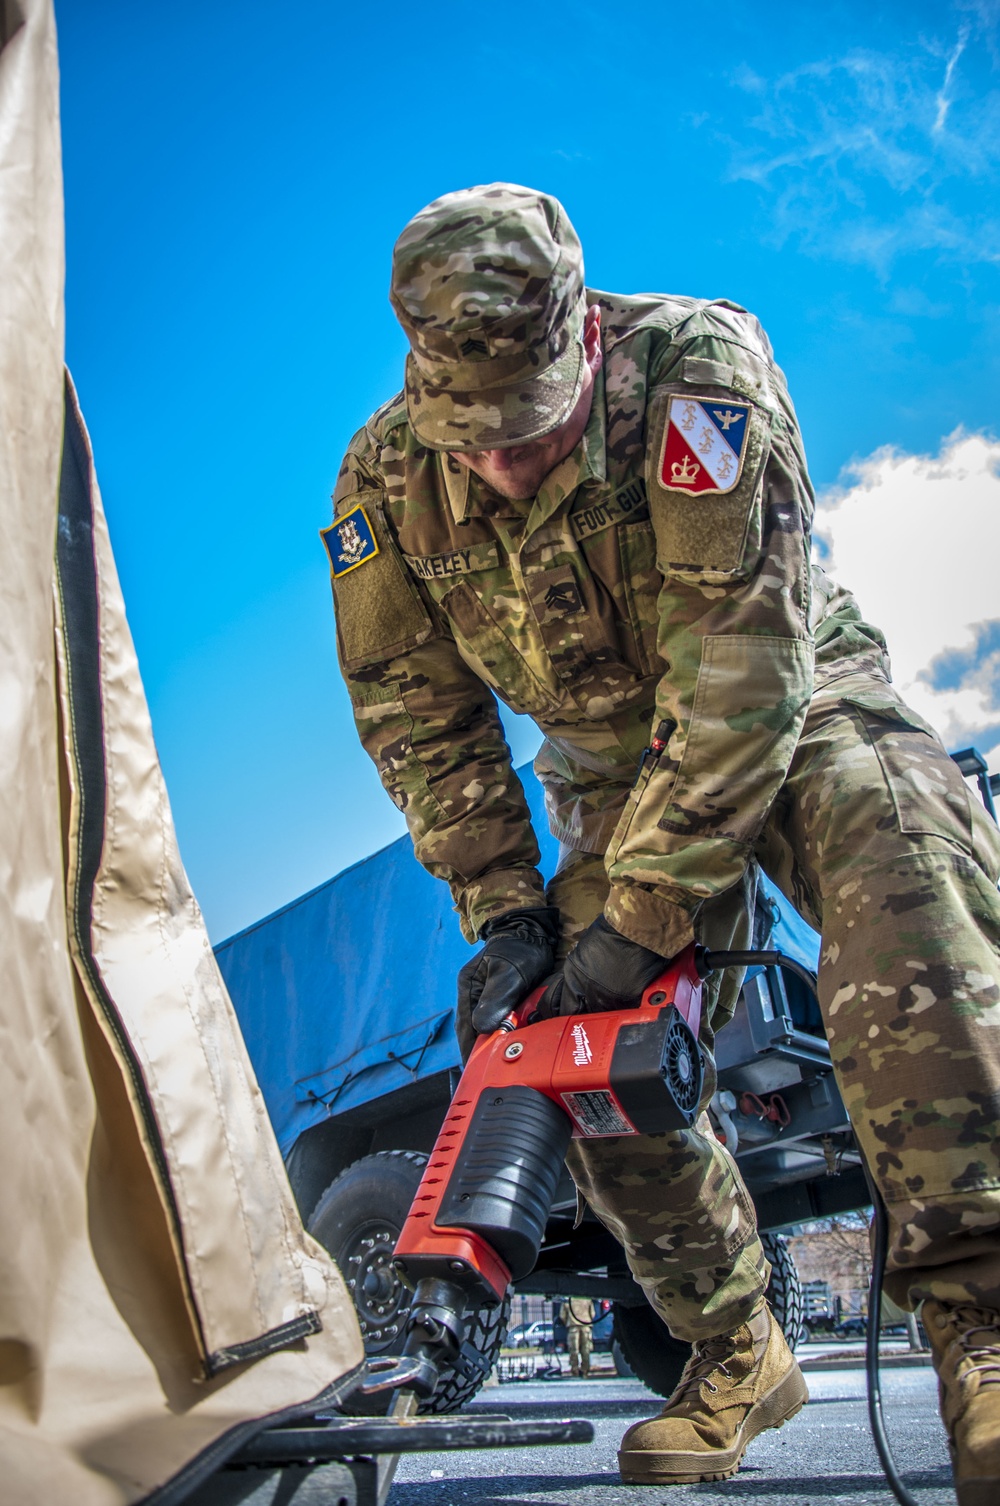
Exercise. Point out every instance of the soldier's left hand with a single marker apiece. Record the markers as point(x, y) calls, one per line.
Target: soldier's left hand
point(518, 955)
point(605, 970)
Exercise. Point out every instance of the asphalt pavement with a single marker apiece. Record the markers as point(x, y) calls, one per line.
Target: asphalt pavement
point(824, 1455)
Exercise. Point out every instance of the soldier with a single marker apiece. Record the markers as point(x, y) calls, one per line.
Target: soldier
point(578, 1316)
point(597, 508)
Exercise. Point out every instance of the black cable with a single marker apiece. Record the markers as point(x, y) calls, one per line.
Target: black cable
point(583, 1322)
point(710, 962)
point(875, 1416)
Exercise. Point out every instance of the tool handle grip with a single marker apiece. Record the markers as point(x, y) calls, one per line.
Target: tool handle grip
point(677, 984)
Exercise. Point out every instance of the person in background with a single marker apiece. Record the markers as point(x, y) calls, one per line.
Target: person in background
point(578, 1316)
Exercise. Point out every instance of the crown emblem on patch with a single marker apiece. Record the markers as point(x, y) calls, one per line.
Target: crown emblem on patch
point(704, 445)
point(684, 472)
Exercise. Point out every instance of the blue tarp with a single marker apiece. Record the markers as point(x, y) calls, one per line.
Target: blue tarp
point(347, 993)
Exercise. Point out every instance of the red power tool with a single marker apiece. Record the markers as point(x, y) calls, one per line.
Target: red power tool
point(480, 1211)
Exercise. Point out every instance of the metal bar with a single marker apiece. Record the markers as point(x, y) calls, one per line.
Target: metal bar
point(796, 1202)
point(798, 1045)
point(553, 1282)
point(340, 1440)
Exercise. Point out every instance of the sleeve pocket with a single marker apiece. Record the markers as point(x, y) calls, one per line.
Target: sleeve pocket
point(751, 696)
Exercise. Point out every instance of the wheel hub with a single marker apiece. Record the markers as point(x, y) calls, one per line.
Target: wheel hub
point(379, 1296)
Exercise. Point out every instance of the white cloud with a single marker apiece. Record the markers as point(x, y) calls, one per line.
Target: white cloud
point(916, 537)
point(944, 96)
point(872, 156)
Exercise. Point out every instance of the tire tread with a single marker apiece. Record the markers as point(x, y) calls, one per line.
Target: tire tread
point(486, 1328)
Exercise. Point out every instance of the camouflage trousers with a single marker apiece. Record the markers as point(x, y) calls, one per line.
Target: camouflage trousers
point(675, 1202)
point(579, 1343)
point(878, 841)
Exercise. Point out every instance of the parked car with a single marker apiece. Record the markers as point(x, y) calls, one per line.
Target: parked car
point(537, 1335)
point(853, 1328)
point(818, 1313)
point(816, 1330)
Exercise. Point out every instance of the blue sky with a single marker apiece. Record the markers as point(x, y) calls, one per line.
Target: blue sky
point(235, 177)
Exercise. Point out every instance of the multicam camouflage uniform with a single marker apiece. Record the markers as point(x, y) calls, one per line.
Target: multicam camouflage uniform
point(615, 604)
point(578, 1316)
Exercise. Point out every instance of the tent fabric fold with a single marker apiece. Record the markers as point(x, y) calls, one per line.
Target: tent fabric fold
point(159, 1298)
point(149, 974)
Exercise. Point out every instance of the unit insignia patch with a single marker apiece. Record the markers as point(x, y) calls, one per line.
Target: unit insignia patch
point(704, 443)
point(350, 542)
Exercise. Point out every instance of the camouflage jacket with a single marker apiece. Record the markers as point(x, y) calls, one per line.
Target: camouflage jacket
point(610, 606)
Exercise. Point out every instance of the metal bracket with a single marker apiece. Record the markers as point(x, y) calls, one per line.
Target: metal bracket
point(393, 1372)
point(470, 1364)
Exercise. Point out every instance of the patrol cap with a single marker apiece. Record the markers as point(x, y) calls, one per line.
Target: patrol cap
point(488, 285)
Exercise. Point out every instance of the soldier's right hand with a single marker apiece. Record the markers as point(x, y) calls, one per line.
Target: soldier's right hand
point(518, 955)
point(605, 970)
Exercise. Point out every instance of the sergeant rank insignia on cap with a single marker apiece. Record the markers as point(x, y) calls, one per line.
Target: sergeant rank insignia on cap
point(350, 542)
point(704, 442)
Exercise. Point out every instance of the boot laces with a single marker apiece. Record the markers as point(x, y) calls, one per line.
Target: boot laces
point(708, 1357)
point(978, 1333)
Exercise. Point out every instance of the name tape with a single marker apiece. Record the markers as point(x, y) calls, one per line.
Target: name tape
point(457, 562)
point(627, 504)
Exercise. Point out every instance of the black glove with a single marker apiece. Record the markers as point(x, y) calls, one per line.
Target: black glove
point(519, 953)
point(603, 971)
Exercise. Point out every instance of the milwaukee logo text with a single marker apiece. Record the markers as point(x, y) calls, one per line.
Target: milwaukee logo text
point(582, 1054)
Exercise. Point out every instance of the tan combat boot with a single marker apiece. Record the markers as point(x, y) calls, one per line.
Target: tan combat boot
point(732, 1388)
point(965, 1341)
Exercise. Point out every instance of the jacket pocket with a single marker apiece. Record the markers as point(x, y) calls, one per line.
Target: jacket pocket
point(750, 700)
point(494, 657)
point(385, 727)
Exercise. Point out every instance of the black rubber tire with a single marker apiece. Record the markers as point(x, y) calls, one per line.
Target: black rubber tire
point(358, 1219)
point(656, 1358)
point(648, 1347)
point(784, 1290)
point(621, 1364)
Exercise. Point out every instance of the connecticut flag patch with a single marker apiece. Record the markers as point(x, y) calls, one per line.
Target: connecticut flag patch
point(704, 442)
point(350, 542)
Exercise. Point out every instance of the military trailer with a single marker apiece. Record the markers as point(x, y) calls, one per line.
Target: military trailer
point(346, 999)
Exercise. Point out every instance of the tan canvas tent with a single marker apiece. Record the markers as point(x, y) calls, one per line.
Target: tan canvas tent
point(158, 1295)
